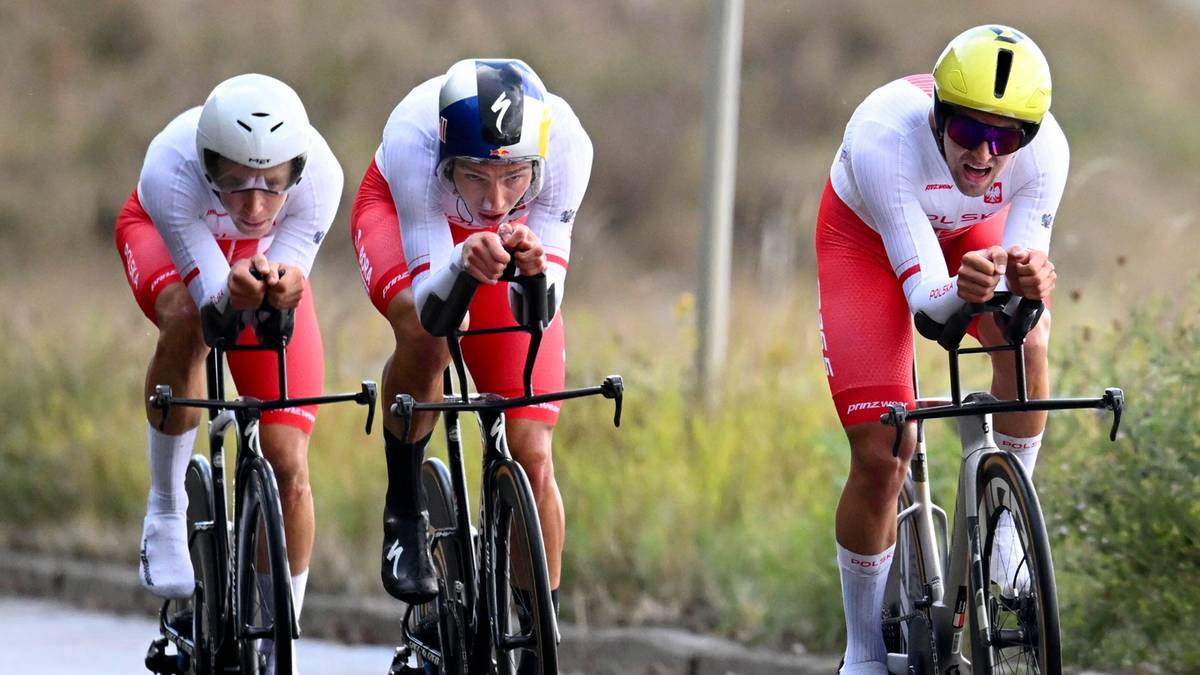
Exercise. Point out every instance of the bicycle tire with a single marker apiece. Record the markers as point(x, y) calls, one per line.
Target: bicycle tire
point(905, 585)
point(260, 524)
point(447, 608)
point(1024, 631)
point(207, 618)
point(517, 550)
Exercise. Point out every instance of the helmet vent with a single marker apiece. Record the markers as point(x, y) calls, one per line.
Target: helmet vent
point(276, 127)
point(260, 114)
point(1004, 58)
point(245, 126)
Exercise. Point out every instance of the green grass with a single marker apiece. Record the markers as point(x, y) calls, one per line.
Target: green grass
point(715, 518)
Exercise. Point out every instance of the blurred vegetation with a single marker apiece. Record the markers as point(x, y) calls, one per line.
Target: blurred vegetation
point(717, 520)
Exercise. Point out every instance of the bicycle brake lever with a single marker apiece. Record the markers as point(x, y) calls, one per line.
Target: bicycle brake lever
point(367, 397)
point(403, 408)
point(1115, 398)
point(614, 388)
point(162, 400)
point(895, 417)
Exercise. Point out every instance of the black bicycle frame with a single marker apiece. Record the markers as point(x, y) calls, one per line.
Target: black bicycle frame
point(244, 414)
point(489, 410)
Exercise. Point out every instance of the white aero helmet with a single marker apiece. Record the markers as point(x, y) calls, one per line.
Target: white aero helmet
point(493, 111)
point(256, 121)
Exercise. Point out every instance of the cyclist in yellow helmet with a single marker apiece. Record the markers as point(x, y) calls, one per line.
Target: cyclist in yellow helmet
point(944, 190)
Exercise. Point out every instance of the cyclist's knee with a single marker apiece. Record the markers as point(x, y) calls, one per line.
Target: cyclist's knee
point(873, 468)
point(286, 448)
point(1038, 341)
point(179, 323)
point(413, 343)
point(531, 442)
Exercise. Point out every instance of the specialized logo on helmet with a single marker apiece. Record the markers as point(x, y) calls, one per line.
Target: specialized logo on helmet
point(1007, 34)
point(994, 194)
point(500, 106)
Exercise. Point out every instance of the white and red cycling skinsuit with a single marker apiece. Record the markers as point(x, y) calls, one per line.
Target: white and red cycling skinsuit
point(891, 229)
point(402, 200)
point(174, 228)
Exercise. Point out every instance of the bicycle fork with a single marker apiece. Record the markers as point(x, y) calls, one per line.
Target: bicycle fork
point(967, 576)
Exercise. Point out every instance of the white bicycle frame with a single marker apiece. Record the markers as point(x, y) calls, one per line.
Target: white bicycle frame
point(964, 552)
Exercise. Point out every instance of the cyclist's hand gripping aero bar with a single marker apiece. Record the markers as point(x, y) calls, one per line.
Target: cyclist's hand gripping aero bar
point(531, 307)
point(1015, 320)
point(272, 326)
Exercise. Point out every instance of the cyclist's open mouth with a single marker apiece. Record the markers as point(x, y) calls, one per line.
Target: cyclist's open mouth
point(976, 174)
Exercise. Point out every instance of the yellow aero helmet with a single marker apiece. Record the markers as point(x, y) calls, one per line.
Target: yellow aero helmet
point(996, 69)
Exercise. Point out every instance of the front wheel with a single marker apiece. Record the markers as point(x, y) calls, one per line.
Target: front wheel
point(263, 609)
point(1018, 594)
point(209, 564)
point(444, 617)
point(907, 628)
point(519, 574)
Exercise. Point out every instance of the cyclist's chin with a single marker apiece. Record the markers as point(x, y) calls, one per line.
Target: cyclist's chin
point(971, 187)
point(253, 228)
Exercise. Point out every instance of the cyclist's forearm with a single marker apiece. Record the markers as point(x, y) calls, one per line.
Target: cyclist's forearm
point(439, 294)
point(937, 298)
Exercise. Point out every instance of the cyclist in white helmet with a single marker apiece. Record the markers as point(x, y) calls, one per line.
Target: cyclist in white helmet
point(242, 181)
point(477, 167)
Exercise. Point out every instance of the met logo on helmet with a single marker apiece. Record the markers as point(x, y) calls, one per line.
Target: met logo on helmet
point(256, 160)
point(1006, 34)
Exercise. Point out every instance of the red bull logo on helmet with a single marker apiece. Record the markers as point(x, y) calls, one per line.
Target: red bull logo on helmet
point(500, 152)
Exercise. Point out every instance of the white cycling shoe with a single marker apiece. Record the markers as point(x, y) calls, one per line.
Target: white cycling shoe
point(165, 565)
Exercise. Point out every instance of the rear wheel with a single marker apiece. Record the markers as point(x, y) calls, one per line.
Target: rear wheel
point(1019, 594)
point(264, 593)
point(204, 607)
point(518, 559)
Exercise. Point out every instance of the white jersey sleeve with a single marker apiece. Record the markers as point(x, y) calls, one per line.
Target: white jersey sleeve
point(552, 214)
point(408, 159)
point(884, 175)
point(1044, 165)
point(309, 210)
point(170, 190)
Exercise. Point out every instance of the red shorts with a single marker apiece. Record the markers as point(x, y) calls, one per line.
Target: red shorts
point(149, 269)
point(866, 325)
point(496, 361)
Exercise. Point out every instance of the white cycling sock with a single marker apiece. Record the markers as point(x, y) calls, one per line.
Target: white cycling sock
point(299, 583)
point(1007, 566)
point(165, 566)
point(864, 580)
point(169, 457)
point(1024, 449)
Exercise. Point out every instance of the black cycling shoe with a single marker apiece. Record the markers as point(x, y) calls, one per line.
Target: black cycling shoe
point(407, 567)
